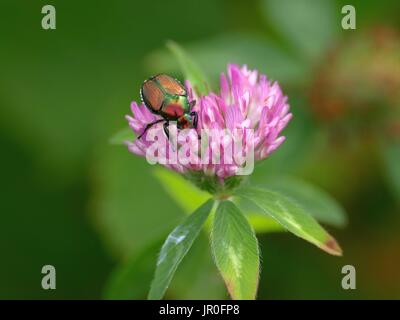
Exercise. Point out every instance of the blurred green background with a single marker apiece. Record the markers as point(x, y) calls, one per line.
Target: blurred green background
point(71, 199)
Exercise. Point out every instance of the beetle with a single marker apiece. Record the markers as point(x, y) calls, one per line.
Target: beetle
point(167, 97)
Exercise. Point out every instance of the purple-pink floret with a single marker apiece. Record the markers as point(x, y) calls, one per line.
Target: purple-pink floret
point(247, 100)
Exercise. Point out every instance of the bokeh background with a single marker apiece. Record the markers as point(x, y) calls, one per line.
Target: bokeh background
point(97, 213)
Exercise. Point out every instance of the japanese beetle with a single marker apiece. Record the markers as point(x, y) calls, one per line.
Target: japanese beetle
point(167, 97)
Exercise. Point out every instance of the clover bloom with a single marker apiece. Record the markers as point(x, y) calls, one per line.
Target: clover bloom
point(230, 131)
point(247, 102)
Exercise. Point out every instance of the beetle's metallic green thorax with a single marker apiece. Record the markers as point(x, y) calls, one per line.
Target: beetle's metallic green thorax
point(181, 101)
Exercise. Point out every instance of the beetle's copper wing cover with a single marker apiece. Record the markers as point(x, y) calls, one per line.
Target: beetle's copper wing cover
point(171, 85)
point(152, 95)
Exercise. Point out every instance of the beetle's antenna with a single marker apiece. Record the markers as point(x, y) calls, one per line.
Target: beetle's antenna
point(149, 126)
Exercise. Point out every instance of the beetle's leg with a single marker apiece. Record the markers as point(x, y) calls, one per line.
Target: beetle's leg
point(166, 129)
point(195, 120)
point(149, 126)
point(192, 104)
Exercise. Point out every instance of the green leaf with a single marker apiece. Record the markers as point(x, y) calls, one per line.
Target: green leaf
point(391, 158)
point(197, 276)
point(310, 25)
point(258, 220)
point(292, 217)
point(131, 279)
point(190, 69)
point(122, 136)
point(185, 194)
point(263, 224)
point(235, 250)
point(189, 197)
point(175, 248)
point(314, 200)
